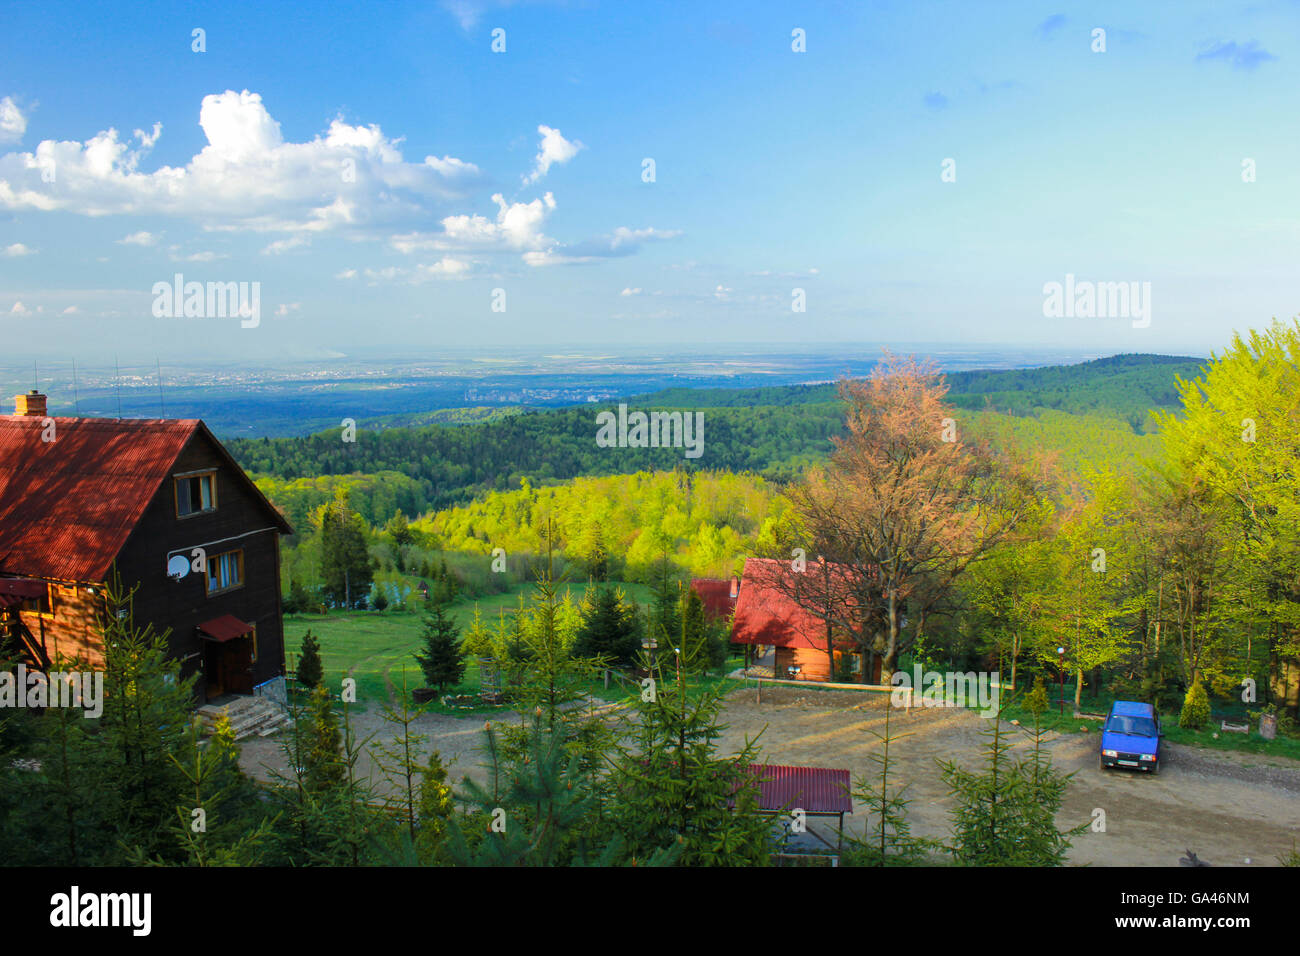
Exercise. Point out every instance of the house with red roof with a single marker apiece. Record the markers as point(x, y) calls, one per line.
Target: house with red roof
point(157, 505)
point(780, 608)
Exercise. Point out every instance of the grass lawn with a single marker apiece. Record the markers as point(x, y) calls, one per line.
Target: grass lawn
point(374, 646)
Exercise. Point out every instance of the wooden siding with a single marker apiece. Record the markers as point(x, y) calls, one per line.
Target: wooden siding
point(239, 522)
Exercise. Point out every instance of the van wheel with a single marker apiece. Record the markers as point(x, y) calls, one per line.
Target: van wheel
point(1155, 769)
point(1101, 762)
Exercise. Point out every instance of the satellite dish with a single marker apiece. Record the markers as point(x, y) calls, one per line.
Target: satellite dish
point(178, 566)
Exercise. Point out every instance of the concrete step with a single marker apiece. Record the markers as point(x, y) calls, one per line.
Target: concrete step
point(247, 715)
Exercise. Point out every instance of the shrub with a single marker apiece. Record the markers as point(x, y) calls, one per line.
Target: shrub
point(1196, 708)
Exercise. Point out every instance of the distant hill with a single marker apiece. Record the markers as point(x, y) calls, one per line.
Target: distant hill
point(1092, 413)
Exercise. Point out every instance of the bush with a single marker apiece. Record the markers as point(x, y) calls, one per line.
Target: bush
point(1196, 708)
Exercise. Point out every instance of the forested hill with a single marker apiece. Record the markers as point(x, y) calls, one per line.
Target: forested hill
point(775, 432)
point(1127, 386)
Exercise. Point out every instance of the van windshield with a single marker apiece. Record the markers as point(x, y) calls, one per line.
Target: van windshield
point(1136, 726)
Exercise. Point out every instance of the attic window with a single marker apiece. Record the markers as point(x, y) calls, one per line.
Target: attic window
point(195, 494)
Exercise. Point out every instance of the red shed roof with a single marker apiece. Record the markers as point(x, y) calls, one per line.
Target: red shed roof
point(68, 506)
point(811, 789)
point(716, 595)
point(767, 612)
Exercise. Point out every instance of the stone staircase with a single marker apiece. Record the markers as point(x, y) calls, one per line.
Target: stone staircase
point(249, 716)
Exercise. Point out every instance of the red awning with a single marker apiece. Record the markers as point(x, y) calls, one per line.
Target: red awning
point(224, 628)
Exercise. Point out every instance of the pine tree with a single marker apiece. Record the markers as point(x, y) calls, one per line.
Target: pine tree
point(671, 786)
point(443, 660)
point(310, 670)
point(609, 630)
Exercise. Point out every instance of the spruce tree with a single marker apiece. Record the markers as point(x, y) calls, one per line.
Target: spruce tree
point(443, 660)
point(310, 670)
point(609, 630)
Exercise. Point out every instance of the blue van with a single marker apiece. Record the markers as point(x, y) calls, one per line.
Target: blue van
point(1131, 737)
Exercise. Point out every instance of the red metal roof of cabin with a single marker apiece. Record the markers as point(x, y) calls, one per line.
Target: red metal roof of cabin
point(768, 614)
point(68, 506)
point(811, 789)
point(716, 595)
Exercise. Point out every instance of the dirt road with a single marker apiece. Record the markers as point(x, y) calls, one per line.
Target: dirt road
point(1229, 808)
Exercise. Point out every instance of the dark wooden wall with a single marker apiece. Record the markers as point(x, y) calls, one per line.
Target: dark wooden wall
point(183, 605)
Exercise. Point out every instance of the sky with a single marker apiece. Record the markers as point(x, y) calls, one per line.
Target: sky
point(822, 174)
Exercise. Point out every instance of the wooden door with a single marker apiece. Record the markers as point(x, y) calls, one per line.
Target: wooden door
point(237, 666)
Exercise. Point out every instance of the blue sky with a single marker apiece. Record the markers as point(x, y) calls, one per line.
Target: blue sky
point(775, 170)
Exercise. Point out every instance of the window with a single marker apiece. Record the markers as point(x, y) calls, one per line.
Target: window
point(39, 605)
point(225, 571)
point(196, 494)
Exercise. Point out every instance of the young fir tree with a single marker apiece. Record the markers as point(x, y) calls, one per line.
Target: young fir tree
point(443, 660)
point(56, 815)
point(434, 813)
point(1006, 816)
point(889, 841)
point(610, 629)
point(536, 810)
point(672, 786)
point(707, 649)
point(209, 829)
point(400, 759)
point(310, 670)
point(143, 737)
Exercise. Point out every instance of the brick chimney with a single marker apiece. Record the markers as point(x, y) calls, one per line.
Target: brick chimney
point(32, 404)
point(735, 587)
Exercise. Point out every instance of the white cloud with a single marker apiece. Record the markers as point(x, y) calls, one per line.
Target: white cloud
point(247, 176)
point(622, 242)
point(554, 149)
point(20, 309)
point(138, 239)
point(346, 274)
point(630, 292)
point(517, 227)
point(70, 310)
point(18, 249)
point(285, 308)
point(13, 124)
point(284, 245)
point(203, 256)
point(444, 268)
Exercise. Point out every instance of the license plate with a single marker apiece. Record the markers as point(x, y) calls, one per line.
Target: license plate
point(1129, 763)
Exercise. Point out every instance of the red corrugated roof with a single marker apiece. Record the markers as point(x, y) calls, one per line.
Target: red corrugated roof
point(767, 612)
point(68, 506)
point(811, 789)
point(716, 595)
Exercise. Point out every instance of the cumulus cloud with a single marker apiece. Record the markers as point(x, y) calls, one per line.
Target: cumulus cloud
point(285, 308)
point(636, 291)
point(20, 309)
point(554, 149)
point(517, 226)
point(138, 239)
point(346, 274)
point(70, 310)
point(247, 176)
point(13, 124)
point(16, 250)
